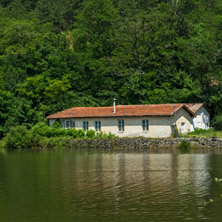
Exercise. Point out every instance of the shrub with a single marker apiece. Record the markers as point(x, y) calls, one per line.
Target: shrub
point(40, 129)
point(18, 137)
point(72, 132)
point(81, 133)
point(184, 145)
point(43, 130)
point(57, 124)
point(56, 132)
point(90, 133)
point(217, 122)
point(110, 135)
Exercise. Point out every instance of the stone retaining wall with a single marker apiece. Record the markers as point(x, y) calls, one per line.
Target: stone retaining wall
point(144, 143)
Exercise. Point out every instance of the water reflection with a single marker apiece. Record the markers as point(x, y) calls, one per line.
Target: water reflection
point(96, 186)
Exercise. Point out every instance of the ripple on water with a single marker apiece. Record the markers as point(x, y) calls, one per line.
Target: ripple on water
point(82, 186)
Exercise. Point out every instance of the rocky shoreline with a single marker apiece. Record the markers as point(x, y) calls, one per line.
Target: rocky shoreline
point(145, 143)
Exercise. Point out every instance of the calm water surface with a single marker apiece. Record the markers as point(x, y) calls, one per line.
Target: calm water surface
point(109, 186)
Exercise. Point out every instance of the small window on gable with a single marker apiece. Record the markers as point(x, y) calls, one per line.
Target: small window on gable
point(121, 125)
point(145, 124)
point(97, 125)
point(85, 125)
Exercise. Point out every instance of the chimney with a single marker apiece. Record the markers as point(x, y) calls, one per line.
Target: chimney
point(114, 105)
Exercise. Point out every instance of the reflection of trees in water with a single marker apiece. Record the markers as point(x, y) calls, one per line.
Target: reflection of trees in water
point(95, 183)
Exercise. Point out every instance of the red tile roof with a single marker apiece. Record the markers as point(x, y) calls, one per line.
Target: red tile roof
point(194, 106)
point(121, 111)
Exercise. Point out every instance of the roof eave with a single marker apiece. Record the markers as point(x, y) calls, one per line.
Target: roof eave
point(117, 116)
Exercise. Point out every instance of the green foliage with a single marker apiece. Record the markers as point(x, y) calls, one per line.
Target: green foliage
point(55, 55)
point(205, 133)
point(81, 133)
point(198, 131)
point(57, 124)
point(40, 129)
point(90, 133)
point(43, 136)
point(184, 145)
point(219, 182)
point(74, 133)
point(43, 130)
point(18, 137)
point(104, 136)
point(217, 122)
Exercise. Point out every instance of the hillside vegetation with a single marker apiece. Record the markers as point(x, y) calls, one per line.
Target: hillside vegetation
point(60, 54)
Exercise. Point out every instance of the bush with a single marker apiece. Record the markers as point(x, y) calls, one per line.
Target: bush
point(43, 130)
point(80, 133)
point(217, 122)
point(184, 145)
point(18, 137)
point(57, 124)
point(72, 132)
point(40, 129)
point(111, 136)
point(90, 134)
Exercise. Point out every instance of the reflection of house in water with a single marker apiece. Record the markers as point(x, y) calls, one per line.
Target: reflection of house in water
point(158, 173)
point(127, 180)
point(194, 169)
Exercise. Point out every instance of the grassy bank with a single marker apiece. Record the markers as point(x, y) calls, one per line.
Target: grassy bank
point(199, 133)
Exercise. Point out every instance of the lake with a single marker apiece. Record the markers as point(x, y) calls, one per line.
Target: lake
point(98, 185)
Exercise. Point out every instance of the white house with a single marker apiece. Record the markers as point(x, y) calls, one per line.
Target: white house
point(201, 119)
point(158, 120)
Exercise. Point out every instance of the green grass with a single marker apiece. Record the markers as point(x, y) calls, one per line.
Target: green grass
point(204, 133)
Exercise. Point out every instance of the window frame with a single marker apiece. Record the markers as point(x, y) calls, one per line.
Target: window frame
point(85, 125)
point(73, 124)
point(97, 125)
point(182, 124)
point(121, 125)
point(145, 125)
point(69, 125)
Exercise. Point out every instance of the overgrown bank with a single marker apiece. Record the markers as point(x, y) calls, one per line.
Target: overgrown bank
point(127, 143)
point(41, 136)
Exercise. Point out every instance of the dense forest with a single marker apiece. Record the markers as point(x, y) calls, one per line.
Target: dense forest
point(57, 54)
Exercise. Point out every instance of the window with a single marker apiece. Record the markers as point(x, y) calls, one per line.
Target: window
point(97, 125)
point(67, 124)
point(206, 118)
point(145, 124)
point(121, 125)
point(85, 125)
point(182, 127)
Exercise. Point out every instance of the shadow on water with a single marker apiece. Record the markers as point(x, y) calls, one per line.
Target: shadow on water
point(102, 185)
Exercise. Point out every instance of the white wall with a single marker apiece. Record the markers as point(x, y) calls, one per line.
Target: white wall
point(202, 119)
point(158, 126)
point(182, 116)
